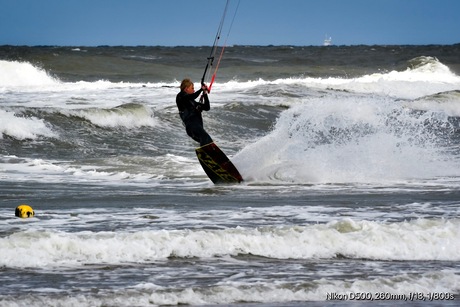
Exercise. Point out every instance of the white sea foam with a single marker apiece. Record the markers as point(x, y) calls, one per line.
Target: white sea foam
point(52, 171)
point(127, 115)
point(22, 74)
point(22, 127)
point(422, 239)
point(429, 77)
point(292, 151)
point(398, 288)
point(33, 86)
point(25, 83)
point(444, 102)
point(348, 139)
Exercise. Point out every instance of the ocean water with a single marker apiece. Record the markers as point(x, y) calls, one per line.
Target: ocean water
point(350, 156)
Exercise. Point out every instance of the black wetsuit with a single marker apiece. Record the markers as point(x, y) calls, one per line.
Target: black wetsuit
point(190, 113)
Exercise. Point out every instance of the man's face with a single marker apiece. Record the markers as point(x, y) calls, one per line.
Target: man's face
point(190, 89)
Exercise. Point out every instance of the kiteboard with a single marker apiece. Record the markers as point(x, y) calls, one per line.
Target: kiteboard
point(217, 165)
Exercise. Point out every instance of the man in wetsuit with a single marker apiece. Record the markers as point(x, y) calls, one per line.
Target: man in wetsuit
point(190, 111)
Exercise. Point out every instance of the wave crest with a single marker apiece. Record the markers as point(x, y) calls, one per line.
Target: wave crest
point(24, 74)
point(22, 128)
point(130, 115)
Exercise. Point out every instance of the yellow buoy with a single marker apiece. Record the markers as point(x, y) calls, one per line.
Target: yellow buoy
point(24, 211)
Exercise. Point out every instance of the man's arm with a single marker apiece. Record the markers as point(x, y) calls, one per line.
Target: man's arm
point(205, 106)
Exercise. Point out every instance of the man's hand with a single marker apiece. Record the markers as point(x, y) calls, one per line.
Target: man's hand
point(204, 87)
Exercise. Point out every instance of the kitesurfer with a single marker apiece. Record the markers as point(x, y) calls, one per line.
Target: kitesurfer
point(190, 110)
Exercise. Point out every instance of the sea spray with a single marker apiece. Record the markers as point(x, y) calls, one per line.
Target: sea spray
point(351, 139)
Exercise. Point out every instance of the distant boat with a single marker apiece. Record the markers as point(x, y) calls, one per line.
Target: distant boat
point(327, 41)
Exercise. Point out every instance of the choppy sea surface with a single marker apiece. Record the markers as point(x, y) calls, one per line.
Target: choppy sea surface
point(350, 156)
